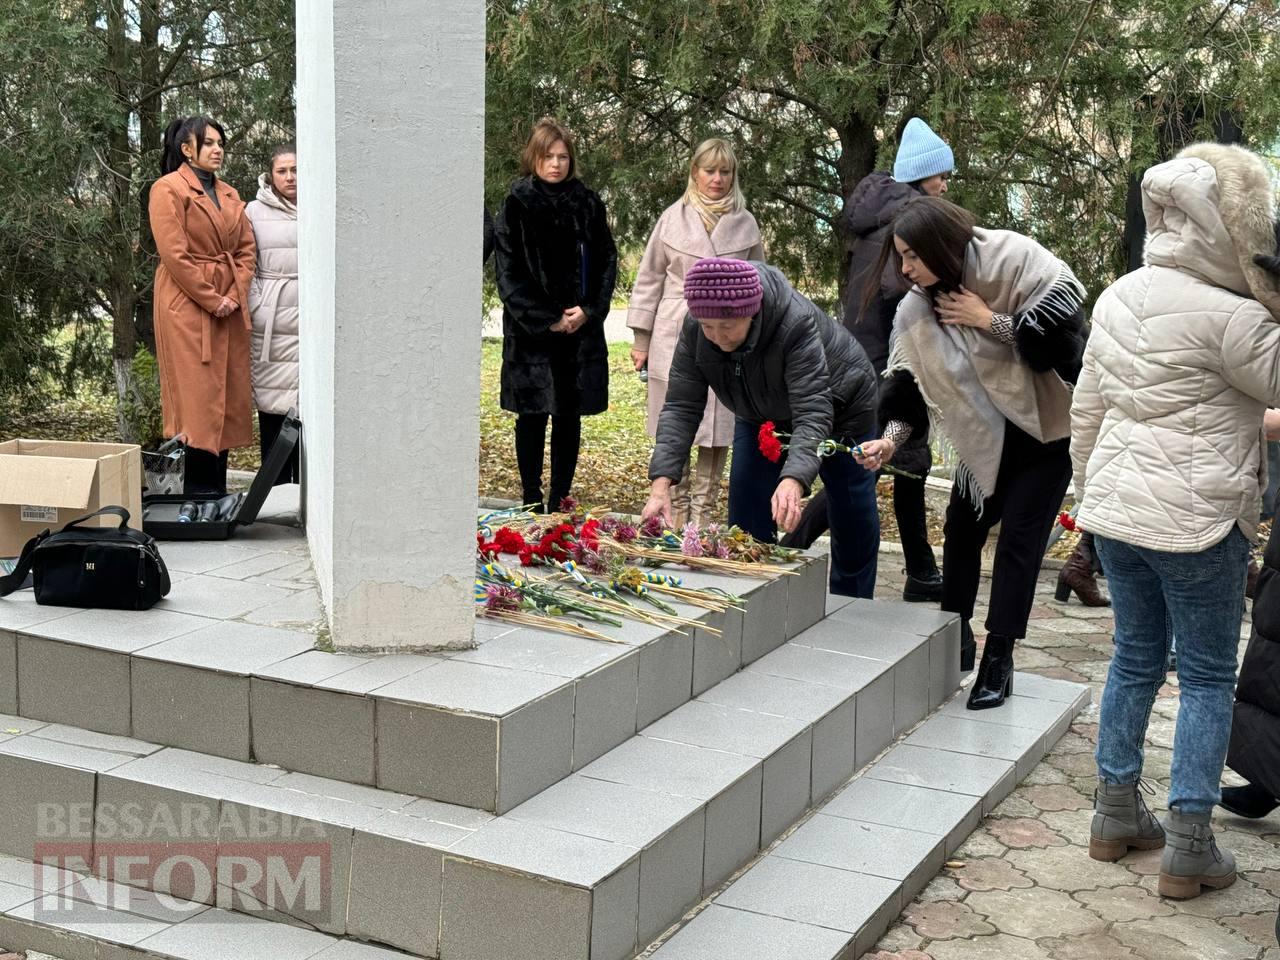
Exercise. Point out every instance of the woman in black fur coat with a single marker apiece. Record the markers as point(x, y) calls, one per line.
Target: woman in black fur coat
point(556, 267)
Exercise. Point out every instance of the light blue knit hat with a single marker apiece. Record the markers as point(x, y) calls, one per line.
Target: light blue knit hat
point(921, 154)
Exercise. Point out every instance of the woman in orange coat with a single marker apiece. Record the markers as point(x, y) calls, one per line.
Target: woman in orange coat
point(201, 299)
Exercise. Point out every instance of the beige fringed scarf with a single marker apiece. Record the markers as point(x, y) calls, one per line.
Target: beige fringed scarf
point(710, 210)
point(971, 381)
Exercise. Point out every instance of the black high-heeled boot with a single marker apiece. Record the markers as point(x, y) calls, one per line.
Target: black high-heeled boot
point(1250, 801)
point(968, 647)
point(995, 674)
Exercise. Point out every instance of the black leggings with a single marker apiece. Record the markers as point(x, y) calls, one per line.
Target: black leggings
point(531, 441)
point(1032, 480)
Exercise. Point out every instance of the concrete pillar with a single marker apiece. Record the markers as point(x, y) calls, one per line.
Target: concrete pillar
point(390, 146)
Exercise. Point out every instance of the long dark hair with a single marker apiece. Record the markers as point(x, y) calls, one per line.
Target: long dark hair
point(939, 232)
point(179, 132)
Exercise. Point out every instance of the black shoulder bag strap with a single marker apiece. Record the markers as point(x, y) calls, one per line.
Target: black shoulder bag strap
point(120, 512)
point(17, 580)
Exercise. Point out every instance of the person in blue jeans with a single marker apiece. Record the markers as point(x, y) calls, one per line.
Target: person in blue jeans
point(771, 355)
point(1182, 362)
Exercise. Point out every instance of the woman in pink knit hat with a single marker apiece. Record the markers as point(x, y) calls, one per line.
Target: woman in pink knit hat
point(769, 354)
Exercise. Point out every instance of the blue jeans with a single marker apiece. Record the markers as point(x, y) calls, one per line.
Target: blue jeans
point(852, 512)
point(1155, 595)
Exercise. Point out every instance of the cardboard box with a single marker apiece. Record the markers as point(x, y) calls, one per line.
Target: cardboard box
point(45, 484)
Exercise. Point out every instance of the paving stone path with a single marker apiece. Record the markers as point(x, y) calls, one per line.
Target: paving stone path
point(1028, 890)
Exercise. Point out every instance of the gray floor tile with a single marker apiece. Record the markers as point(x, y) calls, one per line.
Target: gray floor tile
point(438, 754)
point(26, 785)
point(253, 566)
point(200, 556)
point(541, 651)
point(220, 934)
point(733, 830)
point(1018, 711)
point(665, 677)
point(875, 718)
point(8, 672)
point(310, 667)
point(603, 711)
point(815, 894)
point(940, 770)
point(469, 818)
point(722, 933)
point(717, 657)
point(849, 637)
point(918, 618)
point(349, 792)
point(218, 598)
point(122, 631)
point(1045, 688)
point(51, 685)
point(668, 767)
point(395, 893)
point(780, 696)
point(820, 666)
point(764, 627)
point(300, 610)
point(836, 602)
point(90, 920)
point(542, 852)
point(64, 754)
point(380, 671)
point(950, 815)
point(16, 726)
point(285, 719)
point(472, 687)
point(730, 729)
point(230, 647)
point(535, 747)
point(19, 614)
point(911, 689)
point(834, 749)
point(620, 813)
point(191, 708)
point(785, 792)
point(889, 852)
point(971, 737)
point(806, 595)
point(126, 746)
point(944, 664)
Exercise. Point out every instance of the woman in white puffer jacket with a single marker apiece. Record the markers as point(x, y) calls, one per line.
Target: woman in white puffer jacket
point(1166, 440)
point(273, 300)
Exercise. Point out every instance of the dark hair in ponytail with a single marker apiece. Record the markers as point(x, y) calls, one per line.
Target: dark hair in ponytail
point(179, 132)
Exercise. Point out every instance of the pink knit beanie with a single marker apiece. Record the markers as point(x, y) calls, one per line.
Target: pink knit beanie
point(716, 288)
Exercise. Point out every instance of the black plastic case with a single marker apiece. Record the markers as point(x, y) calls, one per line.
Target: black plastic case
point(160, 512)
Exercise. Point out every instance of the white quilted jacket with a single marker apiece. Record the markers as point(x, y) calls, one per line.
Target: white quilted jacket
point(273, 300)
point(1181, 363)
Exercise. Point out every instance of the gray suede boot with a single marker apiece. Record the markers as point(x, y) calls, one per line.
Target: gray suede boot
point(1192, 859)
point(1122, 821)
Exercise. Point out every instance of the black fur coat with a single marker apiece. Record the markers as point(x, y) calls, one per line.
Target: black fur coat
point(554, 251)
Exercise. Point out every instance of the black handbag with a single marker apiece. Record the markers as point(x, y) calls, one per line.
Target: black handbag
point(94, 567)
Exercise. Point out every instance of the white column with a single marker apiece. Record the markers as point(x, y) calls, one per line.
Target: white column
point(390, 150)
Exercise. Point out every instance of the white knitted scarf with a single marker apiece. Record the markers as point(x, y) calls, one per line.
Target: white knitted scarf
point(971, 381)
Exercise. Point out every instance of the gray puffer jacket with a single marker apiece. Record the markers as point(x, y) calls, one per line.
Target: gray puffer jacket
point(797, 367)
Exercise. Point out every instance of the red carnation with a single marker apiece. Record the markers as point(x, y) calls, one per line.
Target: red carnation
point(770, 445)
point(509, 541)
point(1068, 521)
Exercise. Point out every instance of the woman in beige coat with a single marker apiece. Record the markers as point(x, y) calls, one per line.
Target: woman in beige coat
point(273, 300)
point(710, 220)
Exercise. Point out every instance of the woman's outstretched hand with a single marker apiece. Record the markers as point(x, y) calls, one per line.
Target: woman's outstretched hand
point(874, 454)
point(965, 309)
point(786, 504)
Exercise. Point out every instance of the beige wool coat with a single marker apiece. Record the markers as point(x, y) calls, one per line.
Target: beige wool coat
point(273, 300)
point(206, 253)
point(1182, 362)
point(657, 308)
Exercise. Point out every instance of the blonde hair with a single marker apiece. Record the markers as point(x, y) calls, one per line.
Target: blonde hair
point(544, 136)
point(712, 151)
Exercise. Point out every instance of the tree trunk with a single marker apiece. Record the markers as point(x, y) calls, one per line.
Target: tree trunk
point(120, 292)
point(150, 130)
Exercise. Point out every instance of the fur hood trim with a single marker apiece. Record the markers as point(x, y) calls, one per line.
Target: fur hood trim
point(1246, 203)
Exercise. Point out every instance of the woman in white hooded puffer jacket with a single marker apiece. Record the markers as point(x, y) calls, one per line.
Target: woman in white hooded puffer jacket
point(1166, 441)
point(273, 300)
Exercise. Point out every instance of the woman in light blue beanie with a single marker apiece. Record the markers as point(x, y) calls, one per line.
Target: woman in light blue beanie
point(923, 155)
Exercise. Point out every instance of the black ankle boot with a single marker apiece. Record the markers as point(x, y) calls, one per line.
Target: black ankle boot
point(1250, 801)
point(995, 674)
point(926, 588)
point(968, 647)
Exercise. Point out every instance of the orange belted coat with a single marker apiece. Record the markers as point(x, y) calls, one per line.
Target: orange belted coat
point(206, 254)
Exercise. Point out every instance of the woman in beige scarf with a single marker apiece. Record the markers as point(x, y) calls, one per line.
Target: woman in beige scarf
point(710, 220)
point(987, 345)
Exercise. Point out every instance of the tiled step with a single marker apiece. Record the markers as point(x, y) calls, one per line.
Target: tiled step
point(486, 728)
point(833, 886)
point(592, 868)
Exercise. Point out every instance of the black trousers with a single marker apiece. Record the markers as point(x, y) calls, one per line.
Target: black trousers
point(269, 425)
point(908, 510)
point(205, 472)
point(531, 443)
point(1032, 480)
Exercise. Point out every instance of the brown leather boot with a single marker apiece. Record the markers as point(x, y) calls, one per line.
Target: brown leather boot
point(1251, 578)
point(1077, 577)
